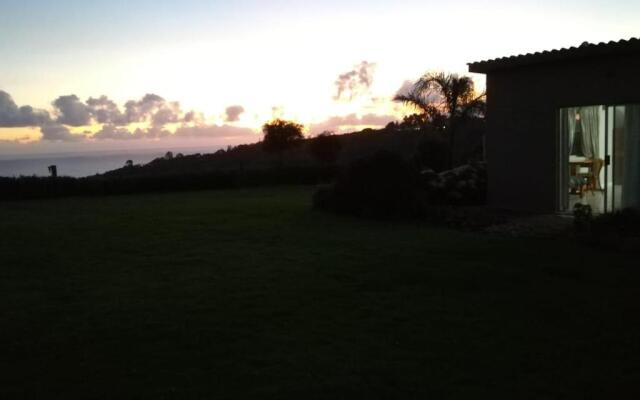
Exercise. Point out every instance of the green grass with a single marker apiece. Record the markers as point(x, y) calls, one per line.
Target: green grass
point(251, 294)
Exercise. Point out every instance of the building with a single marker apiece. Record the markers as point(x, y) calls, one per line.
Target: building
point(564, 128)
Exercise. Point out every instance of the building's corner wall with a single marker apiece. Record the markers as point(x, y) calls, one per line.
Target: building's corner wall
point(522, 127)
point(520, 145)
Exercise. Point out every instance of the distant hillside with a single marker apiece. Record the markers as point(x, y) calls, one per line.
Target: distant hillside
point(252, 157)
point(245, 166)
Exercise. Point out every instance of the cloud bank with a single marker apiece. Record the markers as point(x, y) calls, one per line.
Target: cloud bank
point(351, 122)
point(152, 110)
point(157, 118)
point(12, 116)
point(211, 131)
point(58, 132)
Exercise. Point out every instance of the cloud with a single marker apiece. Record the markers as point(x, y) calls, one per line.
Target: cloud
point(71, 111)
point(168, 113)
point(106, 111)
point(356, 82)
point(138, 111)
point(193, 117)
point(154, 132)
point(217, 131)
point(233, 113)
point(12, 116)
point(151, 109)
point(59, 133)
point(342, 124)
point(113, 132)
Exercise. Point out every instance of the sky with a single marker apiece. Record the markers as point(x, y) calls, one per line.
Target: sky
point(80, 76)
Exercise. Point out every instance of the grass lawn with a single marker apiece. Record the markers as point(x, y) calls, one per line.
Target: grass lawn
point(251, 294)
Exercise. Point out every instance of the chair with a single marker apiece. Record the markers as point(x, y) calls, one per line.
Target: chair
point(585, 175)
point(591, 179)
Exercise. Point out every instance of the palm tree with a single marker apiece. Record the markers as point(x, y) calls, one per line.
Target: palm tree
point(445, 97)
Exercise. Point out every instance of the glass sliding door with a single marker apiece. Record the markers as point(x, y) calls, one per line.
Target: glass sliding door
point(583, 151)
point(623, 158)
point(626, 157)
point(599, 157)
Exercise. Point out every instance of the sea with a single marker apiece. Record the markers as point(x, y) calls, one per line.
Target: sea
point(71, 164)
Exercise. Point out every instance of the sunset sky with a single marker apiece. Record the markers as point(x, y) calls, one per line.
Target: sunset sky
point(108, 75)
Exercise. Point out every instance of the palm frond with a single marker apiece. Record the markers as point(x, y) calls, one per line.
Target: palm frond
point(413, 99)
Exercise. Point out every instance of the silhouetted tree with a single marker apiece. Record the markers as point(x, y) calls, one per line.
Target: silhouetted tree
point(418, 122)
point(391, 126)
point(168, 155)
point(445, 99)
point(128, 163)
point(281, 135)
point(325, 147)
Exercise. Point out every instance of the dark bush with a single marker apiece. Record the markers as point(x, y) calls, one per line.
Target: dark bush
point(325, 148)
point(380, 186)
point(432, 153)
point(582, 217)
point(385, 185)
point(614, 231)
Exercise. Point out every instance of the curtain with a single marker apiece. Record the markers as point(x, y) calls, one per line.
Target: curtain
point(631, 179)
point(590, 121)
point(571, 124)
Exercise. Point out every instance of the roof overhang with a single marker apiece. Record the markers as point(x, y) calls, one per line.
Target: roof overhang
point(586, 50)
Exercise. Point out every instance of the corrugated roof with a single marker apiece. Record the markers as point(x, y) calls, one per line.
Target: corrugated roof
point(586, 50)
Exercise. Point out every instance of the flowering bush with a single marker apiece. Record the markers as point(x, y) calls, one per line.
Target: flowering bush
point(464, 185)
point(385, 185)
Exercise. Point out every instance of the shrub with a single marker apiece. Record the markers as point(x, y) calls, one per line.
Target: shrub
point(432, 153)
point(465, 185)
point(582, 217)
point(615, 231)
point(325, 147)
point(380, 186)
point(385, 185)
